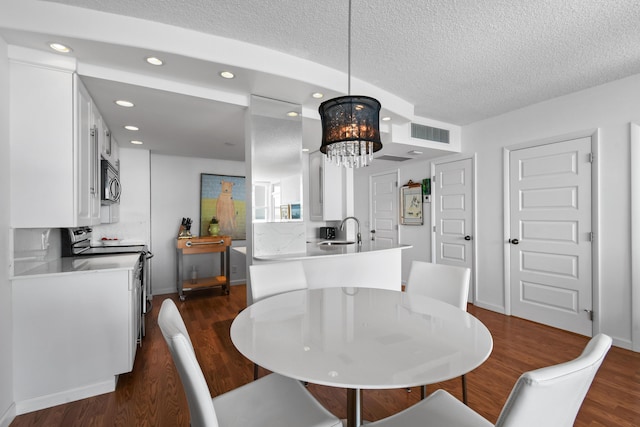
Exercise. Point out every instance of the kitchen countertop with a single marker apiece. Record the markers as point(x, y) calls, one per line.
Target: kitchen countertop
point(314, 249)
point(68, 265)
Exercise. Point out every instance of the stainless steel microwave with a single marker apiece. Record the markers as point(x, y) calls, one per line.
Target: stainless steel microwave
point(111, 188)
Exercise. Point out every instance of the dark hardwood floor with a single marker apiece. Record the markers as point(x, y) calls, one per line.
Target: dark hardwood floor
point(152, 394)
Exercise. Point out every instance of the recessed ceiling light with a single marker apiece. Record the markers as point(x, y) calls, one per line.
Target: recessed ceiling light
point(292, 114)
point(386, 119)
point(227, 74)
point(317, 95)
point(132, 128)
point(154, 60)
point(123, 103)
point(305, 150)
point(136, 142)
point(59, 47)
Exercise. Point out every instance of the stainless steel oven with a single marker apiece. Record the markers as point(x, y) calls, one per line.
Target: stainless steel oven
point(77, 242)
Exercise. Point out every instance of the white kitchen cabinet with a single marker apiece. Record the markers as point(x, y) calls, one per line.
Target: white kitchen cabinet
point(326, 184)
point(110, 214)
point(54, 156)
point(109, 149)
point(73, 334)
point(115, 153)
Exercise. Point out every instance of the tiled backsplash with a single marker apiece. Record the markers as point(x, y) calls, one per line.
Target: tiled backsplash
point(279, 238)
point(122, 231)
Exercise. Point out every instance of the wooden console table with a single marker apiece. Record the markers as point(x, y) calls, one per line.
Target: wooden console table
point(202, 245)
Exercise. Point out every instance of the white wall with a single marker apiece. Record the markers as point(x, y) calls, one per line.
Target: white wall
point(608, 107)
point(7, 409)
point(175, 194)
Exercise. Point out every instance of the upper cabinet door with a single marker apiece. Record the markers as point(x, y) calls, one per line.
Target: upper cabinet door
point(87, 185)
point(326, 193)
point(54, 159)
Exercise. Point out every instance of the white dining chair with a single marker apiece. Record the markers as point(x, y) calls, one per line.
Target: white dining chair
point(273, 278)
point(549, 396)
point(445, 283)
point(273, 400)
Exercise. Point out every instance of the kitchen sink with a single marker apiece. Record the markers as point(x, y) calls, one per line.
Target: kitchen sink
point(336, 242)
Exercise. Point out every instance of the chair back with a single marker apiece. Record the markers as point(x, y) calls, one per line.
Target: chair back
point(195, 386)
point(274, 278)
point(446, 283)
point(552, 396)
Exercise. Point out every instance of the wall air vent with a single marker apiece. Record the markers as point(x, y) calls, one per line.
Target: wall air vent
point(393, 158)
point(429, 133)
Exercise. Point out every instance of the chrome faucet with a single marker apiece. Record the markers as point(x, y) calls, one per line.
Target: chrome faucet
point(358, 236)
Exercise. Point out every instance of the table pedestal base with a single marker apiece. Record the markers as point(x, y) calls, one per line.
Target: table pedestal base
point(354, 407)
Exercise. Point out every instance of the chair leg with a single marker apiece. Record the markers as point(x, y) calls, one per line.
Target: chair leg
point(255, 371)
point(423, 392)
point(464, 389)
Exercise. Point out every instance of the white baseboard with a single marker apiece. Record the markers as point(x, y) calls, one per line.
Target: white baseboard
point(8, 416)
point(622, 343)
point(487, 306)
point(47, 401)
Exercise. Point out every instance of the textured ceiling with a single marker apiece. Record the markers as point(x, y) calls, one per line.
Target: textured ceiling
point(458, 61)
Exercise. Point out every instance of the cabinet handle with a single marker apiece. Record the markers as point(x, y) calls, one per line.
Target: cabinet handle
point(190, 243)
point(320, 175)
point(93, 151)
point(107, 142)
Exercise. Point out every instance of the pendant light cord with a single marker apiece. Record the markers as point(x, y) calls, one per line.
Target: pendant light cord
point(349, 54)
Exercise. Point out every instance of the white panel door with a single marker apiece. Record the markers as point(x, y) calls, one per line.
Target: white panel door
point(550, 234)
point(384, 208)
point(453, 198)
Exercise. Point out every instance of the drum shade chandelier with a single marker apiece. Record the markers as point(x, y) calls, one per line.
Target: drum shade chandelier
point(350, 125)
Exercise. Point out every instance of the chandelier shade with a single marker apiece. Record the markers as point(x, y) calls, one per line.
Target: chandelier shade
point(350, 129)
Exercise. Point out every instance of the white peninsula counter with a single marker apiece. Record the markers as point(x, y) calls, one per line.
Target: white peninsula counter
point(368, 265)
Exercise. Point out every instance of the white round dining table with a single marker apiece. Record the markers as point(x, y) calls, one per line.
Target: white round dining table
point(361, 338)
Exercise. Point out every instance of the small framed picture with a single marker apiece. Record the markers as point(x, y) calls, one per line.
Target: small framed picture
point(411, 205)
point(284, 212)
point(295, 211)
point(426, 187)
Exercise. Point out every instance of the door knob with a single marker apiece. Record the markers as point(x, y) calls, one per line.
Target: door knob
point(514, 241)
point(373, 231)
point(467, 237)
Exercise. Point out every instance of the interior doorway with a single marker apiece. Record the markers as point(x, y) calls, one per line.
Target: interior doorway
point(549, 227)
point(453, 215)
point(383, 199)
